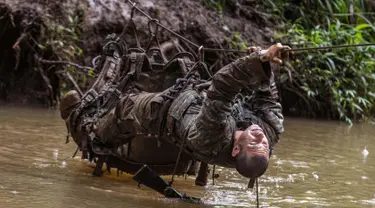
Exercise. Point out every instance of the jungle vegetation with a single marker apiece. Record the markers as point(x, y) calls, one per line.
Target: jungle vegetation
point(337, 83)
point(330, 84)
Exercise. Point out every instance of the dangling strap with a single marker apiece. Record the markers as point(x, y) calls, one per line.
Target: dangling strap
point(99, 165)
point(257, 192)
point(114, 93)
point(177, 161)
point(213, 174)
point(154, 37)
point(131, 21)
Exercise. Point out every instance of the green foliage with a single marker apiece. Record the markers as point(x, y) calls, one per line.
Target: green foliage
point(216, 5)
point(341, 82)
point(64, 40)
point(64, 43)
point(237, 41)
point(336, 83)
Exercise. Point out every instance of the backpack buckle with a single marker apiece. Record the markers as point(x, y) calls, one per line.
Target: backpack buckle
point(90, 96)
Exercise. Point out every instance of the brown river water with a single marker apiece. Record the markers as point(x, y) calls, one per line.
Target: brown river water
point(315, 164)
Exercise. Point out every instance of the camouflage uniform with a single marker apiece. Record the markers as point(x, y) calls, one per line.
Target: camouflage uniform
point(121, 72)
point(204, 120)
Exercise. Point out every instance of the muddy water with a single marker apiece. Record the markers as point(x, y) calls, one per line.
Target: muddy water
point(316, 164)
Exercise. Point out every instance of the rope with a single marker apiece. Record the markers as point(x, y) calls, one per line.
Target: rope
point(177, 161)
point(154, 37)
point(134, 27)
point(295, 49)
point(134, 7)
point(351, 14)
point(160, 25)
point(331, 47)
point(224, 50)
point(257, 191)
point(213, 175)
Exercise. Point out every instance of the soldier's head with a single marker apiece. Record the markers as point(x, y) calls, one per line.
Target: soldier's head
point(251, 151)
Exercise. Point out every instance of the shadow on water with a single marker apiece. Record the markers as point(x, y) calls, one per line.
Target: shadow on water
point(315, 164)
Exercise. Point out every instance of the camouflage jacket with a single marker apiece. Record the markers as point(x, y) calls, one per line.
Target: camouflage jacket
point(204, 121)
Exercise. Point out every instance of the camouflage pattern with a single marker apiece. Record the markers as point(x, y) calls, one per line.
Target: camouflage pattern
point(81, 113)
point(204, 120)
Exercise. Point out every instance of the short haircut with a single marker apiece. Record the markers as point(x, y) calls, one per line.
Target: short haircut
point(251, 166)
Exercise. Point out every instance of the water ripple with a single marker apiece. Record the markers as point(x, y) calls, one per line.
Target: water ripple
point(315, 164)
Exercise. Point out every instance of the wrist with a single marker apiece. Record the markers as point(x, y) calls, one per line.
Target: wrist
point(263, 55)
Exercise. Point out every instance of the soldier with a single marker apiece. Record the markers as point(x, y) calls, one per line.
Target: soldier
point(207, 125)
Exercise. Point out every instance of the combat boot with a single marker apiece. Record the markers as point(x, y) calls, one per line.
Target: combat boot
point(201, 179)
point(68, 103)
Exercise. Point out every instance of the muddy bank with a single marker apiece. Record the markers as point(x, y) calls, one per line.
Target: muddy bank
point(72, 30)
point(29, 32)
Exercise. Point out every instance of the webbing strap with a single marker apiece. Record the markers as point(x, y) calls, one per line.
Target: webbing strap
point(169, 97)
point(113, 94)
point(136, 64)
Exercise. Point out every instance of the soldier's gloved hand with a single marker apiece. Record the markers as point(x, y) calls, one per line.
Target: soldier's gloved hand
point(276, 53)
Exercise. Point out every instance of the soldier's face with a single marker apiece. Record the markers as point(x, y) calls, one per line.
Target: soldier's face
point(252, 140)
point(256, 139)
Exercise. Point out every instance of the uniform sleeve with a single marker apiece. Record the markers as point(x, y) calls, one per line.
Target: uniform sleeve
point(214, 127)
point(265, 102)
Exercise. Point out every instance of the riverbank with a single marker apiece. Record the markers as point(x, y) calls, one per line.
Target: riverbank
point(75, 31)
point(313, 84)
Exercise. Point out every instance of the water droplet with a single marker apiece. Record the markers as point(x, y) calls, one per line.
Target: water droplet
point(91, 164)
point(316, 177)
point(365, 152)
point(290, 178)
point(55, 154)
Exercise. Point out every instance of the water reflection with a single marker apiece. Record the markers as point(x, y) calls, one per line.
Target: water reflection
point(316, 164)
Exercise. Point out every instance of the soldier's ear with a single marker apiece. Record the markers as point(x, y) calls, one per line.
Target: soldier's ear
point(236, 150)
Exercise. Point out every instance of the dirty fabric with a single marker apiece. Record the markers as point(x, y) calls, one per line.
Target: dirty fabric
point(206, 121)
